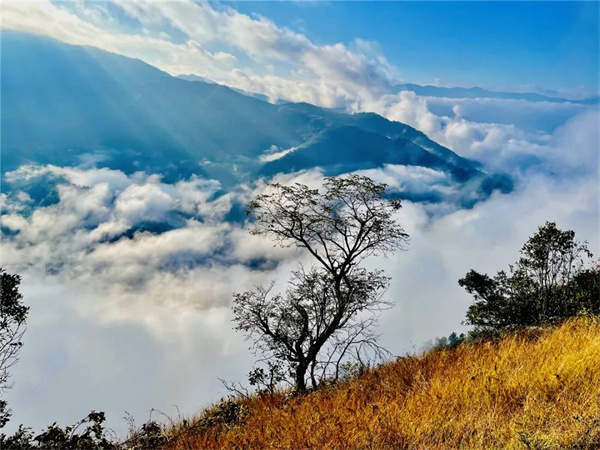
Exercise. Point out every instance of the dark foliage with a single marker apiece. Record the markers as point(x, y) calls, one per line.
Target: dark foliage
point(267, 381)
point(453, 340)
point(226, 413)
point(87, 434)
point(550, 282)
point(93, 436)
point(149, 436)
point(13, 315)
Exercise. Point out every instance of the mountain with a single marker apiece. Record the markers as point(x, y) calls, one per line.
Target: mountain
point(65, 104)
point(477, 92)
point(192, 77)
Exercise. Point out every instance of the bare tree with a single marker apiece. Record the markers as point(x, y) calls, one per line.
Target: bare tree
point(12, 326)
point(327, 309)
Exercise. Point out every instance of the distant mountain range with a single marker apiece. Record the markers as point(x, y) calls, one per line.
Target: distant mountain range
point(65, 104)
point(477, 92)
point(443, 92)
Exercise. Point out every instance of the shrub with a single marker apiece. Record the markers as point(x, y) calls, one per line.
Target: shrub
point(93, 437)
point(227, 412)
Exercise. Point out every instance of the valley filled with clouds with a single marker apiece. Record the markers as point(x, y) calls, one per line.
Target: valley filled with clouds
point(130, 275)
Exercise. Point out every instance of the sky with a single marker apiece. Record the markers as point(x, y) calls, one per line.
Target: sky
point(501, 45)
point(94, 342)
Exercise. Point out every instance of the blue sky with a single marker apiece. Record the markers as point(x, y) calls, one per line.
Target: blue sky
point(493, 44)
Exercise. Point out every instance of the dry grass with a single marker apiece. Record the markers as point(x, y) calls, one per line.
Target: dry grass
point(538, 389)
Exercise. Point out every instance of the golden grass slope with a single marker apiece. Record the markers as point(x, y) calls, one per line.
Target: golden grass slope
point(537, 389)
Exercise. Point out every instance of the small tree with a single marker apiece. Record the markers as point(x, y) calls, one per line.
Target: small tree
point(13, 315)
point(548, 283)
point(324, 313)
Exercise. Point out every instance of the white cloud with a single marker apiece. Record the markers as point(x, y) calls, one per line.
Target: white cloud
point(416, 179)
point(572, 147)
point(75, 362)
point(404, 107)
point(274, 153)
point(81, 239)
point(143, 202)
point(134, 323)
point(59, 22)
point(329, 75)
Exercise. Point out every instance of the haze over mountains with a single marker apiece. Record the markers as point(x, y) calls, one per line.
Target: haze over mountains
point(477, 92)
point(68, 105)
point(446, 92)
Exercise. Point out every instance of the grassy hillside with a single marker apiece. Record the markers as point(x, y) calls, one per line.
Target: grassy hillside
point(537, 389)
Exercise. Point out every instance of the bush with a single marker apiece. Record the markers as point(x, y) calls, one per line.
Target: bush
point(227, 413)
point(149, 436)
point(93, 437)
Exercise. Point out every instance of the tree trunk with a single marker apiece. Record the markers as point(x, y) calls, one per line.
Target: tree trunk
point(300, 377)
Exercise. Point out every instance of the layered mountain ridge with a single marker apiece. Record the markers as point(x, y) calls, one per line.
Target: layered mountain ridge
point(65, 104)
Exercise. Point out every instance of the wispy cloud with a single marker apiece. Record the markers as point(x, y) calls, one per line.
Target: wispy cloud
point(322, 74)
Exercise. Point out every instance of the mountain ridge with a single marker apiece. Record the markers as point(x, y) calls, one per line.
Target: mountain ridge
point(479, 92)
point(62, 102)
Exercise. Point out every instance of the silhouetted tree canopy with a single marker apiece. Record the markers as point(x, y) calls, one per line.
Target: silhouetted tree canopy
point(549, 282)
point(13, 315)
